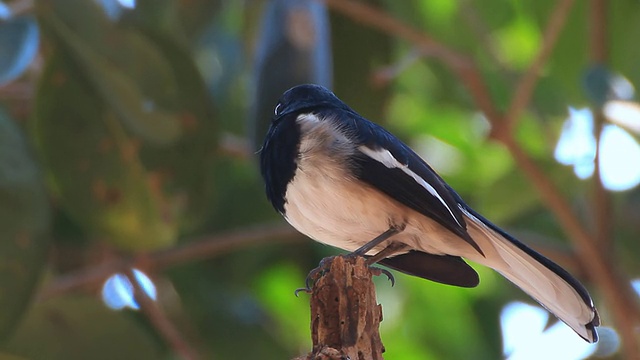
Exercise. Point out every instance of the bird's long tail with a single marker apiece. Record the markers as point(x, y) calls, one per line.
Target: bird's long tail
point(549, 284)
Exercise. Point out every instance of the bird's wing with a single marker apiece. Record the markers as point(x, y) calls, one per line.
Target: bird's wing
point(393, 168)
point(445, 269)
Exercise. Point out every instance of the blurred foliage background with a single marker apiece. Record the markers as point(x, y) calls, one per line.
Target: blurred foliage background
point(128, 133)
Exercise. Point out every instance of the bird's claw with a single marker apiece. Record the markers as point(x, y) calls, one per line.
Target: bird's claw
point(309, 281)
point(299, 290)
point(322, 268)
point(312, 276)
point(379, 271)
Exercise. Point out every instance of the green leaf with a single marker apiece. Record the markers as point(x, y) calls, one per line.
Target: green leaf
point(519, 42)
point(507, 198)
point(95, 165)
point(128, 73)
point(24, 225)
point(74, 327)
point(152, 86)
point(188, 165)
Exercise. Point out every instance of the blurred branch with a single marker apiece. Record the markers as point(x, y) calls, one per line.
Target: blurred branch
point(615, 288)
point(17, 90)
point(601, 199)
point(19, 95)
point(214, 245)
point(459, 64)
point(235, 147)
point(20, 7)
point(597, 31)
point(159, 320)
point(480, 31)
point(202, 248)
point(526, 85)
point(385, 74)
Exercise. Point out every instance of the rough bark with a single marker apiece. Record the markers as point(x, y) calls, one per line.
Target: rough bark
point(344, 313)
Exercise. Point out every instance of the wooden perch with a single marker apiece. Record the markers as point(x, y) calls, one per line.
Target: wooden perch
point(344, 313)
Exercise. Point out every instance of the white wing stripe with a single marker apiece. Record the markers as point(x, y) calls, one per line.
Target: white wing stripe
point(308, 117)
point(385, 157)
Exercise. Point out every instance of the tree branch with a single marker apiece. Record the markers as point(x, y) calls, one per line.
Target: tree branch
point(601, 200)
point(345, 316)
point(459, 64)
point(20, 7)
point(159, 320)
point(202, 248)
point(526, 85)
point(598, 55)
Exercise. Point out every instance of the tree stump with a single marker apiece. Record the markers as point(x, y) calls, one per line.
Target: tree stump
point(344, 313)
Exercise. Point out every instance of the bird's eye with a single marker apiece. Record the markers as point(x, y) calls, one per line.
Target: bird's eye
point(276, 111)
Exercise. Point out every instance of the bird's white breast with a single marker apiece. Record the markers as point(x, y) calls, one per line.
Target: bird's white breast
point(325, 202)
point(335, 210)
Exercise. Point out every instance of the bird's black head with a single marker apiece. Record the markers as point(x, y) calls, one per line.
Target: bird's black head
point(280, 151)
point(301, 98)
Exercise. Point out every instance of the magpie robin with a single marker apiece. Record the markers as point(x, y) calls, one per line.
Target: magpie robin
point(347, 182)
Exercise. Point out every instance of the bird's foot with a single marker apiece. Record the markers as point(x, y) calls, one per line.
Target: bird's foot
point(380, 271)
point(314, 274)
point(324, 265)
point(376, 271)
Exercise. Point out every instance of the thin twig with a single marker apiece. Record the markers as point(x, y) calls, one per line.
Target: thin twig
point(460, 65)
point(206, 247)
point(17, 90)
point(20, 7)
point(480, 31)
point(527, 83)
point(235, 147)
point(598, 48)
point(383, 75)
point(159, 320)
point(601, 200)
point(598, 55)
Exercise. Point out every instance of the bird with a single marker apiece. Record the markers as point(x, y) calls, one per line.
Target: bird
point(347, 182)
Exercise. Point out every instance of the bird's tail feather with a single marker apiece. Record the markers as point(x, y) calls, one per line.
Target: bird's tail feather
point(549, 284)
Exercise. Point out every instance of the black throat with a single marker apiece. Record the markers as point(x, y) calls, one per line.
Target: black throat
point(278, 158)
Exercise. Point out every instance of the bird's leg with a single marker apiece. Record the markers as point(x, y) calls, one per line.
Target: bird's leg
point(389, 250)
point(377, 240)
point(361, 251)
